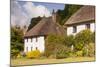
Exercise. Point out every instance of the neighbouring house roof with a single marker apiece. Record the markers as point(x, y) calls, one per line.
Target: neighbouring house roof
point(84, 14)
point(44, 27)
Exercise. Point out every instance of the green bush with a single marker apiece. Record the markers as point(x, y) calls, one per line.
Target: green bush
point(62, 51)
point(79, 46)
point(33, 54)
point(79, 53)
point(85, 52)
point(72, 54)
point(83, 37)
point(52, 56)
point(69, 40)
point(93, 37)
point(52, 42)
point(19, 56)
point(91, 50)
point(14, 53)
point(61, 46)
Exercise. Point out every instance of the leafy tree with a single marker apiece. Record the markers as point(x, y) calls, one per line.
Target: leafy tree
point(16, 40)
point(34, 21)
point(63, 15)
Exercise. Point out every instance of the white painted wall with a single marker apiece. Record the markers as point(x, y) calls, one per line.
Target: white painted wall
point(80, 28)
point(40, 44)
point(92, 27)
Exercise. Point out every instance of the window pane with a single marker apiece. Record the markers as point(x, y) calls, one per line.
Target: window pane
point(31, 48)
point(26, 49)
point(36, 39)
point(31, 39)
point(74, 29)
point(88, 26)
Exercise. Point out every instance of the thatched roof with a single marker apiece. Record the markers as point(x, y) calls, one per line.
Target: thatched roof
point(84, 14)
point(44, 27)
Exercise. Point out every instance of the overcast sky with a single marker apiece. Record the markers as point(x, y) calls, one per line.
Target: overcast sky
point(23, 11)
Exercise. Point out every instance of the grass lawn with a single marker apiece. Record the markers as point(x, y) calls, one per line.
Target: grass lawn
point(24, 61)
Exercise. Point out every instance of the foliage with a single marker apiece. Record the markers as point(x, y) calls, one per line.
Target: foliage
point(34, 21)
point(93, 37)
point(51, 43)
point(33, 54)
point(14, 53)
point(63, 15)
point(19, 55)
point(61, 46)
point(16, 40)
point(69, 40)
point(83, 40)
point(61, 51)
point(79, 53)
point(79, 46)
point(85, 53)
point(58, 46)
point(83, 37)
point(91, 50)
point(72, 54)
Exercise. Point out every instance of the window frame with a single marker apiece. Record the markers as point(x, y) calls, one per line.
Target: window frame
point(87, 26)
point(26, 39)
point(31, 48)
point(74, 29)
point(36, 39)
point(26, 49)
point(31, 40)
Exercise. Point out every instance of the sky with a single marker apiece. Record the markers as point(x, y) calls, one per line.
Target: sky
point(23, 11)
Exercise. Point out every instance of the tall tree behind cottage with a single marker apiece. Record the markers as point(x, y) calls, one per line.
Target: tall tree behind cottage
point(33, 22)
point(63, 15)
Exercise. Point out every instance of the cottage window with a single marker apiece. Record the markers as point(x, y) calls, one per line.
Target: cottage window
point(27, 39)
point(36, 48)
point(74, 29)
point(26, 49)
point(31, 48)
point(36, 39)
point(31, 39)
point(87, 26)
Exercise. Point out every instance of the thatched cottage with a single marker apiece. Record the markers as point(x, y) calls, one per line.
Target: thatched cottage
point(84, 18)
point(35, 38)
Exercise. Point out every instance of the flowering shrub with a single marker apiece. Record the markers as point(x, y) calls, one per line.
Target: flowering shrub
point(33, 54)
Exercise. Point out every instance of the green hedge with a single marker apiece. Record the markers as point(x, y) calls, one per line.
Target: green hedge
point(61, 46)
